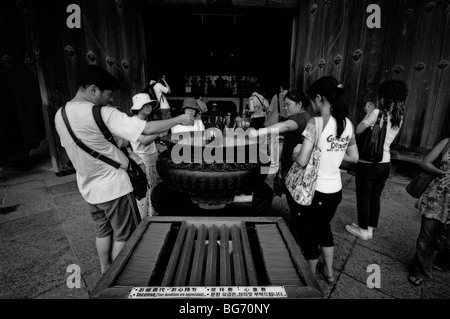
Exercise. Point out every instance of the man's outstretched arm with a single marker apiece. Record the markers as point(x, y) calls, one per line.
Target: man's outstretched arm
point(157, 127)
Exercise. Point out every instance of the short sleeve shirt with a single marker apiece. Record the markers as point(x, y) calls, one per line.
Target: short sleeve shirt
point(97, 181)
point(333, 149)
point(160, 90)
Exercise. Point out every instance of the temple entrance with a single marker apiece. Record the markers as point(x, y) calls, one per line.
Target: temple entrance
point(219, 54)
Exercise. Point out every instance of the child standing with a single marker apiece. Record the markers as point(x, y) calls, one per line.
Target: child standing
point(145, 147)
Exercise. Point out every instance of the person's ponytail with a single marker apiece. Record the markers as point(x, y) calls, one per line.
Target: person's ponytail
point(334, 92)
point(394, 93)
point(339, 110)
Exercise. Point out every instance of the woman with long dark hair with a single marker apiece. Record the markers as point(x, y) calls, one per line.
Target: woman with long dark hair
point(371, 177)
point(295, 104)
point(337, 143)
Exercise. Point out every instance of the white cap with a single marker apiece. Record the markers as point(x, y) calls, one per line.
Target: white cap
point(139, 100)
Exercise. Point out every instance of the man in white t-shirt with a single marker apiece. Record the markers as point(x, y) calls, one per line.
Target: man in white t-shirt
point(107, 190)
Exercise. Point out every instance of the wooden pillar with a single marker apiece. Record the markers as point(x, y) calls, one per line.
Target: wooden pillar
point(43, 87)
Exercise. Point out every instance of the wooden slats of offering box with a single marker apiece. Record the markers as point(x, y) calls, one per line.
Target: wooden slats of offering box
point(211, 252)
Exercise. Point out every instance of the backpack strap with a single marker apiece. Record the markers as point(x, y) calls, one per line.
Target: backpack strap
point(96, 111)
point(83, 146)
point(319, 128)
point(263, 106)
point(380, 114)
point(385, 119)
point(162, 97)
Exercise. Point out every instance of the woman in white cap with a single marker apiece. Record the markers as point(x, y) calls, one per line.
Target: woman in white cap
point(191, 107)
point(142, 108)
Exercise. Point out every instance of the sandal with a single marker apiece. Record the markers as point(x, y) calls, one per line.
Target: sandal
point(330, 279)
point(416, 280)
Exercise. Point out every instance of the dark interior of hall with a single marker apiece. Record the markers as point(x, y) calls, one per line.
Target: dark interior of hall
point(183, 41)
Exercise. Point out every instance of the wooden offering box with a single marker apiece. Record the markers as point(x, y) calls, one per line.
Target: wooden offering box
point(210, 252)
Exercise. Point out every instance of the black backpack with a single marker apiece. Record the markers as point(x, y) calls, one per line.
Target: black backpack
point(371, 141)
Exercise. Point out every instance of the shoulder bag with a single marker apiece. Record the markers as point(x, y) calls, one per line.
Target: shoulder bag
point(419, 184)
point(421, 181)
point(301, 181)
point(137, 177)
point(371, 141)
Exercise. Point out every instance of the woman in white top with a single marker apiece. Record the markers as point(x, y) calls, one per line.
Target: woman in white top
point(337, 143)
point(161, 88)
point(371, 177)
point(145, 148)
point(190, 107)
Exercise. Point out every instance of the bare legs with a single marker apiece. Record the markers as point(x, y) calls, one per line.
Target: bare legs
point(312, 263)
point(328, 255)
point(107, 250)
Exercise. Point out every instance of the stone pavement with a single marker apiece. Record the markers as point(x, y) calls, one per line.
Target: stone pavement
point(45, 227)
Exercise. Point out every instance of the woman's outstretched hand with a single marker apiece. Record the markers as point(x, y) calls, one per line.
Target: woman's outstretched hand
point(369, 107)
point(186, 119)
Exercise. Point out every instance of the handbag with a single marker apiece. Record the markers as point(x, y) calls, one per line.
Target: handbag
point(370, 143)
point(301, 181)
point(420, 182)
point(278, 185)
point(137, 177)
point(278, 181)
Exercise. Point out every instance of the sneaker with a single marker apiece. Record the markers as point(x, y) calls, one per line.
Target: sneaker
point(369, 234)
point(357, 232)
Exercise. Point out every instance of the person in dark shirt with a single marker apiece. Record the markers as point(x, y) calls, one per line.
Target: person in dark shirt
point(295, 103)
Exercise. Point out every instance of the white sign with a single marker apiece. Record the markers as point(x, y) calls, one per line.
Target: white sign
point(208, 292)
